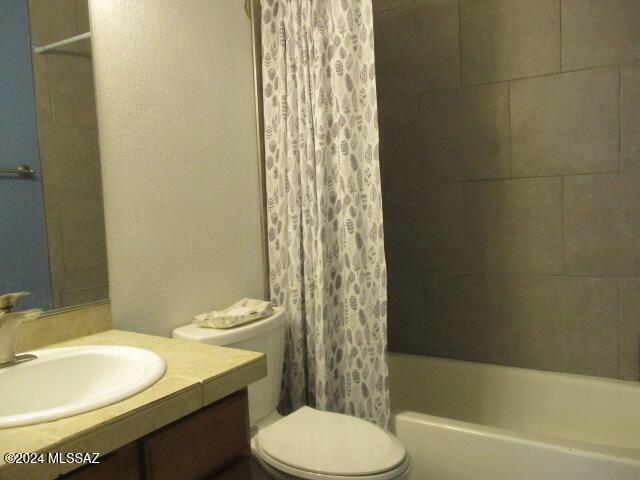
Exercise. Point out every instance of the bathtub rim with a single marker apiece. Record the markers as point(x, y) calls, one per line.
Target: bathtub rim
point(620, 454)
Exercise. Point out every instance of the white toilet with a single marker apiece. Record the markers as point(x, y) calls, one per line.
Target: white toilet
point(308, 444)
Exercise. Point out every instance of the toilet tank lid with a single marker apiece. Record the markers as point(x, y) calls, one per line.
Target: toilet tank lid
point(230, 336)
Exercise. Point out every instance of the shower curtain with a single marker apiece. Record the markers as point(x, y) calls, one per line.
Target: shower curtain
point(324, 206)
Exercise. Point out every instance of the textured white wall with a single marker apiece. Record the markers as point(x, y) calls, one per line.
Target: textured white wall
point(174, 91)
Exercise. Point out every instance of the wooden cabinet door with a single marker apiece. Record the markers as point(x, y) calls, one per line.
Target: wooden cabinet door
point(201, 444)
point(123, 464)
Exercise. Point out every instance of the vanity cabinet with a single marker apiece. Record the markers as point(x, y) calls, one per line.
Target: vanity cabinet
point(207, 444)
point(123, 464)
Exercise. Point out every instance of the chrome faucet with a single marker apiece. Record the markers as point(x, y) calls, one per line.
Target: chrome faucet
point(9, 325)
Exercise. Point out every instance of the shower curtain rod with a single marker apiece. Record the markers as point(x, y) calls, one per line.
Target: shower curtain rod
point(61, 43)
point(82, 36)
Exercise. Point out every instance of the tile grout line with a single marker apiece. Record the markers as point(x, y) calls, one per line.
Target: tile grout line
point(465, 229)
point(423, 311)
point(560, 27)
point(563, 265)
point(460, 42)
point(504, 179)
point(506, 80)
point(52, 116)
point(619, 309)
point(394, 9)
point(620, 118)
point(519, 274)
point(564, 179)
point(509, 130)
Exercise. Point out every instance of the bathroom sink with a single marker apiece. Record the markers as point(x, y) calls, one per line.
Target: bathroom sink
point(63, 382)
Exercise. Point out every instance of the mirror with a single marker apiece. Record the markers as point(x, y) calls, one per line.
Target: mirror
point(52, 236)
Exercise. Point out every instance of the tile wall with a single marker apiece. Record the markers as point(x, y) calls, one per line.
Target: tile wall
point(69, 153)
point(510, 150)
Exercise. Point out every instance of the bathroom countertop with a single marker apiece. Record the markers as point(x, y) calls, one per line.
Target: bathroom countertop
point(197, 375)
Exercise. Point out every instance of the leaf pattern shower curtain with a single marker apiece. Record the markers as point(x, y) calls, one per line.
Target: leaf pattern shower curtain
point(324, 206)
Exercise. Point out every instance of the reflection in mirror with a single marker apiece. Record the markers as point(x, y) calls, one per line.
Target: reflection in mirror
point(52, 238)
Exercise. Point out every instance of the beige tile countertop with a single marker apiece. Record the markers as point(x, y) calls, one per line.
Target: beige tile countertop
point(196, 376)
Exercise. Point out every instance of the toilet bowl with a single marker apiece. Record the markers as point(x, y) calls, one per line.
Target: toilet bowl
point(307, 444)
point(310, 444)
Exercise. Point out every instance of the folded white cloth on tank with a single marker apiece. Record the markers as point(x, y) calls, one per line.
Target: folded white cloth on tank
point(245, 311)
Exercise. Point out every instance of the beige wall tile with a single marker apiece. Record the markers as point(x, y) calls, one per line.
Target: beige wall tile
point(82, 296)
point(96, 168)
point(405, 323)
point(75, 279)
point(417, 49)
point(545, 322)
point(72, 91)
point(403, 225)
point(443, 226)
point(630, 116)
point(69, 156)
point(467, 317)
point(61, 326)
point(591, 325)
point(424, 226)
point(52, 21)
point(82, 13)
point(83, 235)
point(630, 326)
point(537, 315)
point(597, 32)
point(380, 5)
point(400, 162)
point(602, 225)
point(73, 285)
point(464, 133)
point(506, 39)
point(41, 88)
point(64, 157)
point(514, 226)
point(526, 313)
point(54, 241)
point(565, 324)
point(565, 124)
point(84, 48)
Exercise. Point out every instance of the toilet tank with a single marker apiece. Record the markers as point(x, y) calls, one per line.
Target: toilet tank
point(266, 336)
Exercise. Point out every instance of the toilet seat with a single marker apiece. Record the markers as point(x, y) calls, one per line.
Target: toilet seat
point(310, 444)
point(285, 472)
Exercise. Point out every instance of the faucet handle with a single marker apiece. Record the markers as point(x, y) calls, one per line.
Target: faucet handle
point(8, 300)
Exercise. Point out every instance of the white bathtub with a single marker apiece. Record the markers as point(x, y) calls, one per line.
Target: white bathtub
point(471, 421)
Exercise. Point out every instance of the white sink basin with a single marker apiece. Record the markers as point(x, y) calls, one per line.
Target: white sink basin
point(63, 382)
